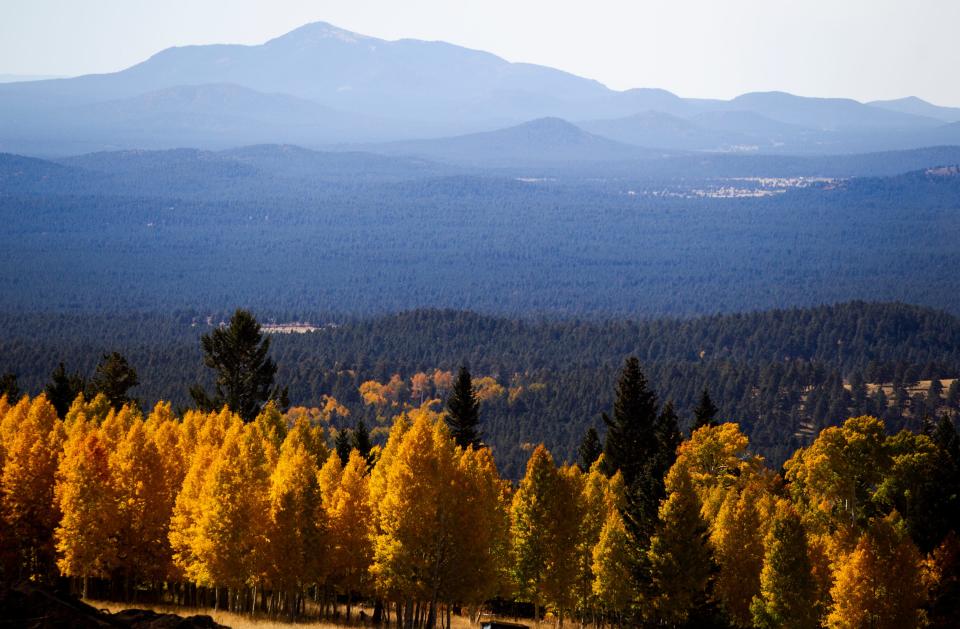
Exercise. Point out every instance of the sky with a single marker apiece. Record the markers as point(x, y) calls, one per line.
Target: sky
point(863, 49)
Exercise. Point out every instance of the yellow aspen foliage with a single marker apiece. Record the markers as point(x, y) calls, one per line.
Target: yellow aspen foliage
point(329, 479)
point(879, 584)
point(379, 476)
point(613, 583)
point(272, 428)
point(296, 531)
point(203, 435)
point(416, 524)
point(11, 420)
point(144, 506)
point(419, 386)
point(86, 538)
point(94, 410)
point(442, 381)
point(596, 504)
point(679, 555)
point(373, 394)
point(833, 480)
point(333, 408)
point(531, 522)
point(737, 538)
point(487, 388)
point(484, 525)
point(349, 519)
point(716, 457)
point(560, 586)
point(788, 591)
point(116, 425)
point(228, 540)
point(32, 455)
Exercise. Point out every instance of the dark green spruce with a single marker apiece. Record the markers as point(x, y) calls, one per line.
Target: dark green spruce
point(245, 372)
point(114, 378)
point(463, 411)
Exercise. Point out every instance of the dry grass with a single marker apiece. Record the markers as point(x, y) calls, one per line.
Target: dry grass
point(244, 621)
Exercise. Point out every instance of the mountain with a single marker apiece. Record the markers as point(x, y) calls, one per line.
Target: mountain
point(320, 85)
point(919, 107)
point(541, 141)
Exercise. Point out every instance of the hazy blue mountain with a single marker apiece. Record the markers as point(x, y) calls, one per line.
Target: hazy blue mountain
point(826, 113)
point(541, 141)
point(320, 85)
point(919, 107)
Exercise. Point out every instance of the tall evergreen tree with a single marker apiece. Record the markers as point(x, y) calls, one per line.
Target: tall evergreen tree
point(705, 413)
point(590, 449)
point(63, 389)
point(463, 411)
point(342, 445)
point(360, 440)
point(114, 378)
point(630, 439)
point(245, 373)
point(9, 386)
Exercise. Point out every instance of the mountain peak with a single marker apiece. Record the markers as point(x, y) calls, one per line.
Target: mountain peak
point(317, 32)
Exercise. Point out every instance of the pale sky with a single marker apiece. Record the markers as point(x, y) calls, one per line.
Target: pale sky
point(863, 49)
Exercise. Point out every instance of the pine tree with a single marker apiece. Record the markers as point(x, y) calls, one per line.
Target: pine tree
point(590, 449)
point(245, 372)
point(360, 441)
point(705, 413)
point(114, 378)
point(342, 445)
point(679, 556)
point(463, 411)
point(63, 389)
point(9, 386)
point(788, 592)
point(630, 440)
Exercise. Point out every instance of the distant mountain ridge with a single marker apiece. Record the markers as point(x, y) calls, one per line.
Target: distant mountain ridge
point(320, 85)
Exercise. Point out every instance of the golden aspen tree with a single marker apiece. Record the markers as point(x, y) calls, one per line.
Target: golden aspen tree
point(32, 456)
point(531, 521)
point(295, 531)
point(86, 539)
point(229, 537)
point(679, 555)
point(788, 591)
point(481, 561)
point(832, 482)
point(329, 479)
point(417, 536)
point(349, 520)
point(143, 506)
point(116, 425)
point(566, 538)
point(716, 457)
point(94, 410)
point(167, 437)
point(879, 584)
point(272, 428)
point(612, 566)
point(737, 538)
point(203, 439)
point(594, 501)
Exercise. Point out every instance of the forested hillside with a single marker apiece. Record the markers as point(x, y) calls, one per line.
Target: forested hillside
point(280, 228)
point(780, 374)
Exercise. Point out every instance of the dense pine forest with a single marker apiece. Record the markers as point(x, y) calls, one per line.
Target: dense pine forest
point(782, 375)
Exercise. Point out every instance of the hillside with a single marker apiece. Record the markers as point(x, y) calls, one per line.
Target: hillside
point(770, 371)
